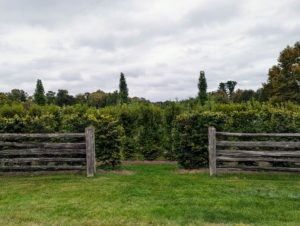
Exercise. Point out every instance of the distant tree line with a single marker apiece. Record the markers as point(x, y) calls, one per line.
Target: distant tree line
point(283, 84)
point(62, 97)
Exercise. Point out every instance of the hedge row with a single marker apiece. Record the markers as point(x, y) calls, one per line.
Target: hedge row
point(52, 119)
point(136, 131)
point(148, 131)
point(192, 129)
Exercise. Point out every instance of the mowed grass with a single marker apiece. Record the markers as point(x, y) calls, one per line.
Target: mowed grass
point(154, 195)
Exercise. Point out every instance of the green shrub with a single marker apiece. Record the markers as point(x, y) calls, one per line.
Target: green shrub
point(108, 135)
point(7, 111)
point(128, 116)
point(190, 131)
point(191, 134)
point(151, 132)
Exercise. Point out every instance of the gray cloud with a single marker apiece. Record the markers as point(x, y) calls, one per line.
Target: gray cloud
point(160, 46)
point(209, 14)
point(50, 14)
point(71, 76)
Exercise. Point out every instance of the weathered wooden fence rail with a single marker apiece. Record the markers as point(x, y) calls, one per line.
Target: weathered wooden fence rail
point(251, 155)
point(40, 150)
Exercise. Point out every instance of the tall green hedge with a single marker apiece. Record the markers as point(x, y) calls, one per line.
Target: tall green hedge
point(52, 119)
point(192, 128)
point(149, 131)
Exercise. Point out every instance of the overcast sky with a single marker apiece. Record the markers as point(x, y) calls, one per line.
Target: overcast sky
point(161, 46)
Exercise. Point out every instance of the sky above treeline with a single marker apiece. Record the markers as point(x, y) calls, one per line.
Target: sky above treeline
point(160, 46)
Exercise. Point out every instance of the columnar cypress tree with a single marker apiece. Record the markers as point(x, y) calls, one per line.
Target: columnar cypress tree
point(123, 90)
point(39, 94)
point(202, 86)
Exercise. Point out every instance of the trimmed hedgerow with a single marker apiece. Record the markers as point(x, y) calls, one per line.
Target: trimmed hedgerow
point(192, 135)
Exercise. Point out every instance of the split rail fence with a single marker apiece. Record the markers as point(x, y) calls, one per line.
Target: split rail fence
point(31, 155)
point(251, 155)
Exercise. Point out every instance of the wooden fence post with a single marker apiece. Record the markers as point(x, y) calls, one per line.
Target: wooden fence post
point(90, 151)
point(212, 150)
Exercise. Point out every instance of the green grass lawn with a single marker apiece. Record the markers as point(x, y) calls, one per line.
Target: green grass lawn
point(154, 195)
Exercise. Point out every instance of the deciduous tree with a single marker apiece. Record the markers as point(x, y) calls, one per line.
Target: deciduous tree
point(283, 82)
point(50, 97)
point(223, 87)
point(230, 85)
point(63, 98)
point(17, 95)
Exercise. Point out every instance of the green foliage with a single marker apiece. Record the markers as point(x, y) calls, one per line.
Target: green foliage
point(97, 99)
point(170, 113)
point(7, 111)
point(39, 94)
point(108, 134)
point(3, 99)
point(191, 135)
point(63, 98)
point(251, 117)
point(223, 87)
point(112, 98)
point(242, 95)
point(51, 97)
point(284, 78)
point(128, 116)
point(17, 95)
point(150, 133)
point(218, 97)
point(123, 89)
point(70, 119)
point(202, 87)
point(227, 87)
point(35, 110)
point(230, 87)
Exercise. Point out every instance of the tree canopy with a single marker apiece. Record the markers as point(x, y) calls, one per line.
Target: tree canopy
point(283, 82)
point(227, 87)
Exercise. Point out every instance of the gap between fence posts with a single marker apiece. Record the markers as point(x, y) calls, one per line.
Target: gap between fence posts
point(90, 151)
point(212, 150)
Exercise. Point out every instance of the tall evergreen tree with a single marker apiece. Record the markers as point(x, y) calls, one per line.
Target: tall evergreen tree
point(230, 86)
point(202, 86)
point(123, 90)
point(39, 94)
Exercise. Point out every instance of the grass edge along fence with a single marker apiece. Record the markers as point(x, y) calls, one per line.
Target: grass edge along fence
point(252, 155)
point(42, 148)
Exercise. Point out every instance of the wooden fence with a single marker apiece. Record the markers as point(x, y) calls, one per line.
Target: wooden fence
point(251, 155)
point(11, 158)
